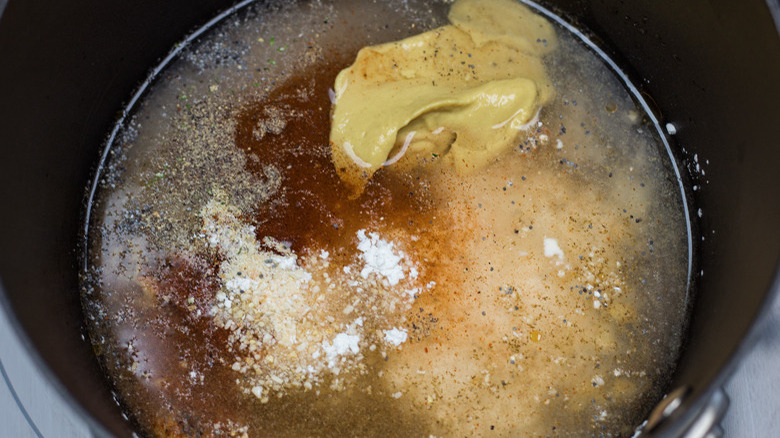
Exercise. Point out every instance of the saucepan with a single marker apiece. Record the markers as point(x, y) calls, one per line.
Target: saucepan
point(708, 68)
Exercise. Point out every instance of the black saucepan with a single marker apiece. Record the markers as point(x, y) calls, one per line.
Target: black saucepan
point(709, 67)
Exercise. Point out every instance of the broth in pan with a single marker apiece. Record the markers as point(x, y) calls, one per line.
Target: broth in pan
point(251, 276)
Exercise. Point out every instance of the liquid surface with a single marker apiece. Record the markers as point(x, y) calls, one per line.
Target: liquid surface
point(235, 289)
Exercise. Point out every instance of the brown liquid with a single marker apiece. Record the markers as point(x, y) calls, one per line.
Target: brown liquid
point(316, 210)
point(476, 355)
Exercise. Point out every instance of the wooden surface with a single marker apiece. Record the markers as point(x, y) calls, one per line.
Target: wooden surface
point(754, 392)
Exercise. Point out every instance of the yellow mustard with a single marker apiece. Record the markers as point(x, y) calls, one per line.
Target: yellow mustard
point(460, 94)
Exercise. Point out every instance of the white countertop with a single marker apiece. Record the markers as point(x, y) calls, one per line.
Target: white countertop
point(30, 408)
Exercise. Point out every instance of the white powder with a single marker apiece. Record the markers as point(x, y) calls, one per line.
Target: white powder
point(271, 304)
point(395, 336)
point(379, 258)
point(257, 391)
point(264, 284)
point(288, 262)
point(551, 248)
point(240, 284)
point(342, 345)
point(268, 305)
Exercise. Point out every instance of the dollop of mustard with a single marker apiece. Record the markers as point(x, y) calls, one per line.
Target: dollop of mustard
point(460, 94)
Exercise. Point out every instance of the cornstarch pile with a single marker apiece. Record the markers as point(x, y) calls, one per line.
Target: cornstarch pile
point(282, 310)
